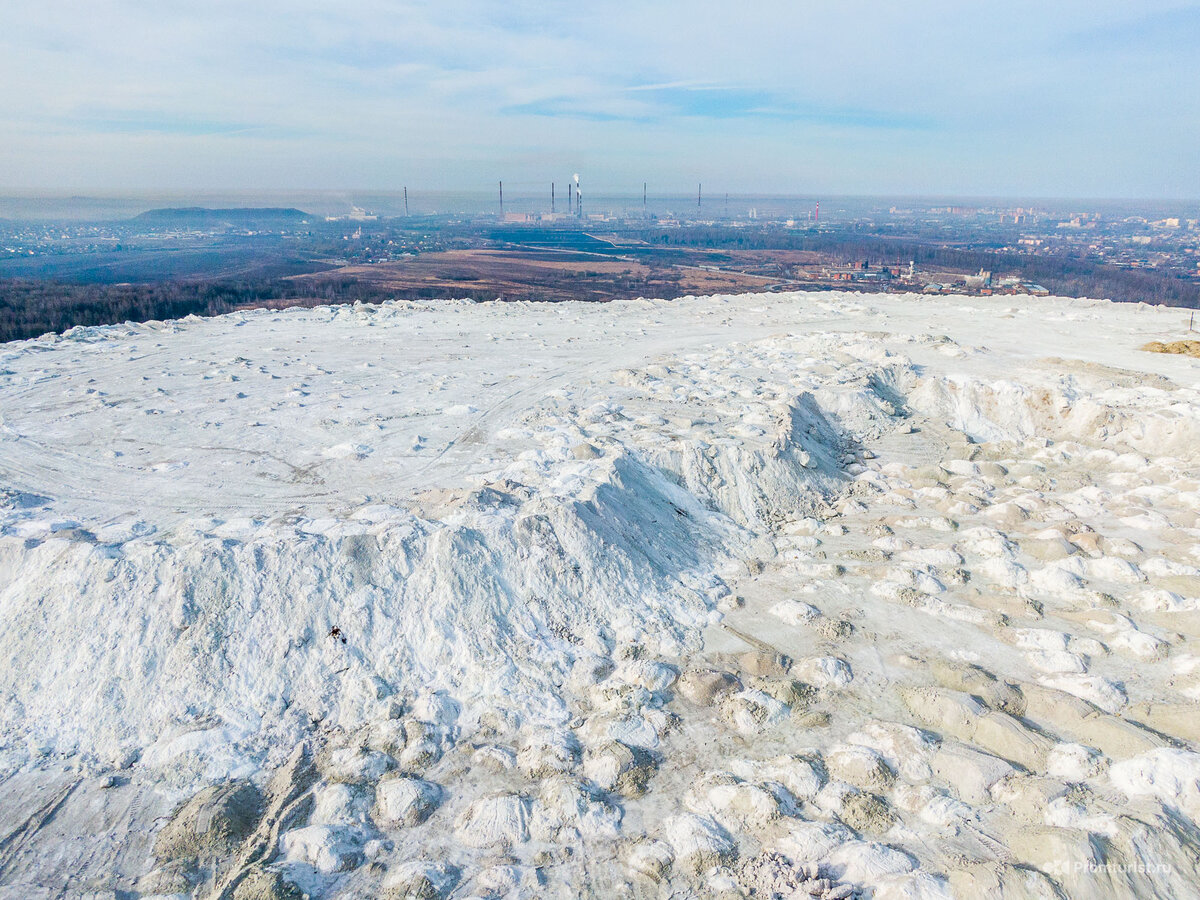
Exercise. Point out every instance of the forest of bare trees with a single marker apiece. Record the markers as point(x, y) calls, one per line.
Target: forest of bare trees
point(1063, 275)
point(29, 307)
point(33, 306)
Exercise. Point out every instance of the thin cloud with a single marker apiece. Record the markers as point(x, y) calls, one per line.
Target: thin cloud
point(928, 96)
point(713, 102)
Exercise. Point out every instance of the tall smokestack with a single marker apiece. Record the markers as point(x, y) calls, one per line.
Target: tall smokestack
point(570, 199)
point(645, 209)
point(406, 200)
point(552, 198)
point(502, 199)
point(698, 187)
point(817, 215)
point(578, 197)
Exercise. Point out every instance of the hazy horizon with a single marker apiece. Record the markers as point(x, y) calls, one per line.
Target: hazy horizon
point(102, 206)
point(1021, 99)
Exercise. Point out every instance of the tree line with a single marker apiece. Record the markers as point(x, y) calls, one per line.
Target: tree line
point(31, 307)
point(1064, 275)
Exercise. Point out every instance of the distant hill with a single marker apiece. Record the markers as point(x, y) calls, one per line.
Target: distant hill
point(246, 217)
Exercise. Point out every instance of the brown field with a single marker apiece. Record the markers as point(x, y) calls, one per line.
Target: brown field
point(561, 275)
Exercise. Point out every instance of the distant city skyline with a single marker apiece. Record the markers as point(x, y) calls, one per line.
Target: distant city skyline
point(1018, 99)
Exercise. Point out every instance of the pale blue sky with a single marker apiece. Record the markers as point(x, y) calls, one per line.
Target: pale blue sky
point(1096, 98)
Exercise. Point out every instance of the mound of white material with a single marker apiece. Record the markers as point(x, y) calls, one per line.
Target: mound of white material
point(470, 553)
point(195, 568)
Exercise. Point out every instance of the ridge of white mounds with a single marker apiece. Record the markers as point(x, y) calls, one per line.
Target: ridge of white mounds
point(868, 614)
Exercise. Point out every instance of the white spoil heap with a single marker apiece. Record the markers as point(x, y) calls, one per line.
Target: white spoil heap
point(815, 594)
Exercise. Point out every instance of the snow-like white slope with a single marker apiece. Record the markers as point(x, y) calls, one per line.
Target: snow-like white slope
point(419, 477)
point(474, 526)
